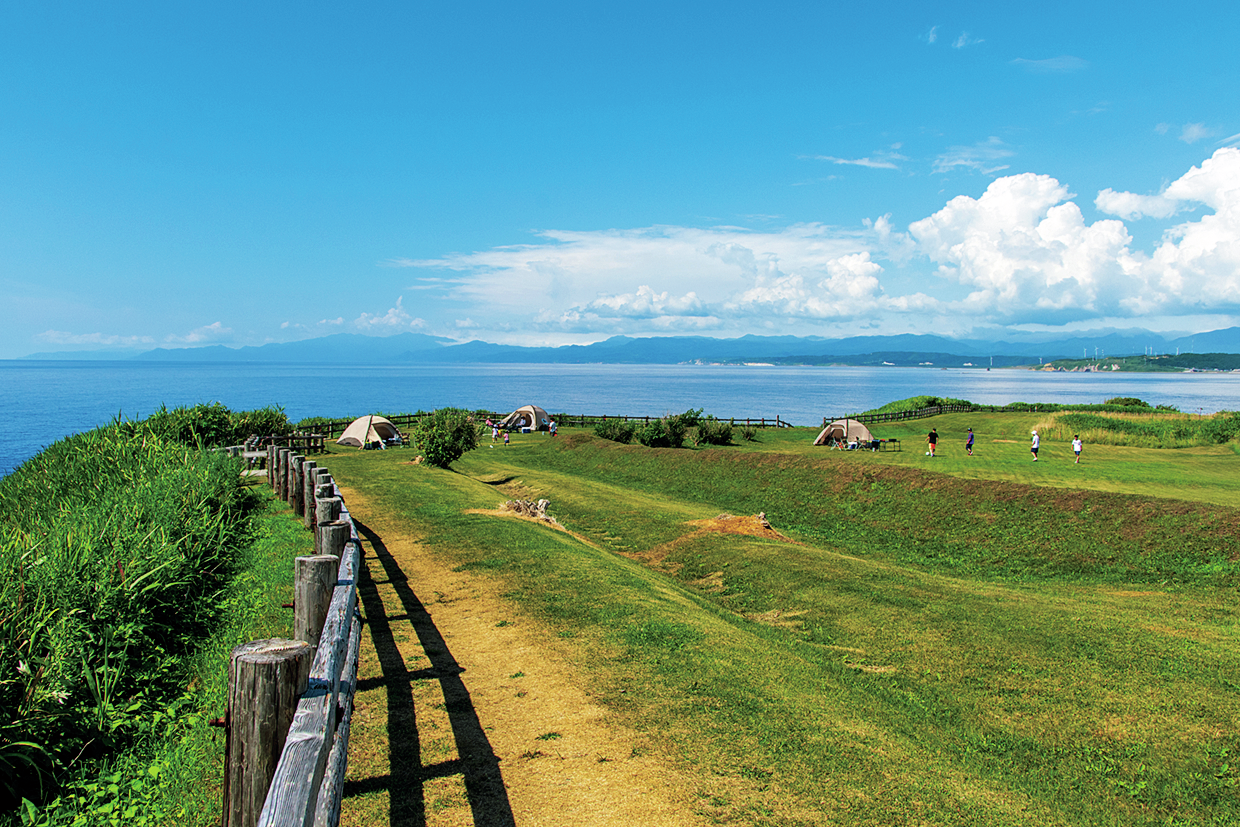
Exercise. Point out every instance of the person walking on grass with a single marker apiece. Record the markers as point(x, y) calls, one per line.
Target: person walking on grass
point(1076, 447)
point(505, 439)
point(968, 443)
point(1033, 446)
point(932, 439)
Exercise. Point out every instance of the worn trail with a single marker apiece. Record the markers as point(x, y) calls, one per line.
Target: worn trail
point(468, 714)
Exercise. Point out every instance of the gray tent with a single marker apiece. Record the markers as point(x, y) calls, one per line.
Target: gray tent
point(844, 430)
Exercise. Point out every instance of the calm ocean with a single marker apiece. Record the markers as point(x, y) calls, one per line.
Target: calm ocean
point(42, 402)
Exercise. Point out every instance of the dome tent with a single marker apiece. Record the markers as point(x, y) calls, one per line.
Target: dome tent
point(367, 429)
point(527, 416)
point(845, 430)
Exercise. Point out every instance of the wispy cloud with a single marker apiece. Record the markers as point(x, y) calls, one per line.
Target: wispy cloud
point(1194, 132)
point(1052, 65)
point(214, 332)
point(1229, 141)
point(932, 35)
point(966, 39)
point(883, 159)
point(60, 337)
point(981, 157)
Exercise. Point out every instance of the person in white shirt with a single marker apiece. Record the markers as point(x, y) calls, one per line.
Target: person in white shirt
point(1076, 447)
point(1033, 448)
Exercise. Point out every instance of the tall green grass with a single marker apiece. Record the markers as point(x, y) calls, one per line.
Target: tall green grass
point(117, 548)
point(1142, 430)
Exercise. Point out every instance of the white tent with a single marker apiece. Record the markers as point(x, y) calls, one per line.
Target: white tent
point(844, 430)
point(367, 429)
point(528, 416)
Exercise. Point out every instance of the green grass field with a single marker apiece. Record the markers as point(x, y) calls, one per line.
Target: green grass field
point(964, 640)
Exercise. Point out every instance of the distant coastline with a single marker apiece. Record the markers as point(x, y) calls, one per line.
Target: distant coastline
point(903, 350)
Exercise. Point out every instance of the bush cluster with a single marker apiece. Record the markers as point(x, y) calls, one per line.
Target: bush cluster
point(115, 553)
point(1127, 402)
point(443, 436)
point(665, 432)
point(711, 431)
point(670, 430)
point(213, 424)
point(616, 430)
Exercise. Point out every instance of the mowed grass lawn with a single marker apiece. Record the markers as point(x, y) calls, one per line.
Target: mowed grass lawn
point(964, 641)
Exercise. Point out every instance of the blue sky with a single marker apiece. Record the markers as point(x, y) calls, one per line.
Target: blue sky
point(546, 173)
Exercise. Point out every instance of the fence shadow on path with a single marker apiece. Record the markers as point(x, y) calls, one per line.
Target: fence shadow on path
point(477, 763)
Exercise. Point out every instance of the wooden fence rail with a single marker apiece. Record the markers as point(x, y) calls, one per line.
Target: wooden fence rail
point(933, 410)
point(334, 429)
point(304, 786)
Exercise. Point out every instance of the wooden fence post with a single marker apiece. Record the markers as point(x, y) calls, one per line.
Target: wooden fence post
point(282, 455)
point(265, 680)
point(271, 465)
point(327, 511)
point(294, 483)
point(309, 472)
point(334, 537)
point(313, 581)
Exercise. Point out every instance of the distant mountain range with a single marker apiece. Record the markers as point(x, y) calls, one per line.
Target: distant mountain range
point(904, 349)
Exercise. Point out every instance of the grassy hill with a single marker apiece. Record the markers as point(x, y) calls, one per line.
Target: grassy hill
point(966, 640)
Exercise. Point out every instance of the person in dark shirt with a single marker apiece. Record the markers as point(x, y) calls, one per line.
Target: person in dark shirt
point(932, 439)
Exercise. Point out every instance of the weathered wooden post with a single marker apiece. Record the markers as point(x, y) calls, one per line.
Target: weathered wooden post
point(271, 465)
point(309, 469)
point(265, 680)
point(294, 482)
point(282, 473)
point(313, 581)
point(327, 511)
point(335, 536)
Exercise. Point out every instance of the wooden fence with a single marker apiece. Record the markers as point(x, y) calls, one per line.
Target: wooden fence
point(902, 416)
point(291, 701)
point(335, 428)
point(933, 410)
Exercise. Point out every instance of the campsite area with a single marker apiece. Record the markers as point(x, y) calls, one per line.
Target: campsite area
point(964, 640)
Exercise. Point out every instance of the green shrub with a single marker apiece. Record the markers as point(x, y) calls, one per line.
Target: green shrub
point(443, 436)
point(616, 430)
point(1127, 402)
point(1223, 426)
point(665, 432)
point(711, 431)
point(749, 433)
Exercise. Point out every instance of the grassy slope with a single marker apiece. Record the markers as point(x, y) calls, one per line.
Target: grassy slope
point(1001, 452)
point(933, 648)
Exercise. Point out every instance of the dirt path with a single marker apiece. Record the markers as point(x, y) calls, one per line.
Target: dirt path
point(467, 714)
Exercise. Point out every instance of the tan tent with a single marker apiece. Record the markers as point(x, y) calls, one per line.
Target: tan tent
point(367, 429)
point(844, 430)
point(528, 416)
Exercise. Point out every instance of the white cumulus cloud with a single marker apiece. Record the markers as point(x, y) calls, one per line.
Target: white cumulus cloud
point(1197, 264)
point(1024, 254)
point(395, 319)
